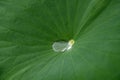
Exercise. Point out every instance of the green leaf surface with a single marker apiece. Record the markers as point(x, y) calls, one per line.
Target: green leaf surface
point(28, 29)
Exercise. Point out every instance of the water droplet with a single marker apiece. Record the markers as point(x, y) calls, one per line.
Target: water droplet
point(62, 46)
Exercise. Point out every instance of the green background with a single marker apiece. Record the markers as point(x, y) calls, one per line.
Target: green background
point(28, 28)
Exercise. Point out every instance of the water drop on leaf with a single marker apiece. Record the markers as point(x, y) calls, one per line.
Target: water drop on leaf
point(62, 46)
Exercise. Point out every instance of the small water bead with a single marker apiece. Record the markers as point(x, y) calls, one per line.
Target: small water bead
point(62, 46)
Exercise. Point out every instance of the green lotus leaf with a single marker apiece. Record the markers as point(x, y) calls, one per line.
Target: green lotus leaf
point(30, 28)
